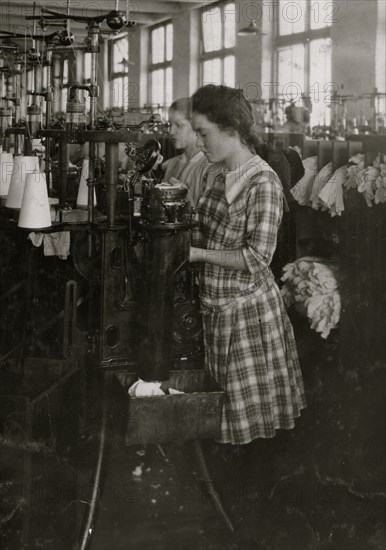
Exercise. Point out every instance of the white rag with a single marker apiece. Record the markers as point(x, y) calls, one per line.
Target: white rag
point(140, 388)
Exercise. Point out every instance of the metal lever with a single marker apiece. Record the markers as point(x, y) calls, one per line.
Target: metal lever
point(70, 318)
point(209, 484)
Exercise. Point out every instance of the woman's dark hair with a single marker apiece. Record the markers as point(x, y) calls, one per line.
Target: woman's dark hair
point(228, 108)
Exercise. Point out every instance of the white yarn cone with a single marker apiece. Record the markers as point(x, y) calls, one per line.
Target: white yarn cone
point(82, 198)
point(22, 166)
point(35, 208)
point(6, 167)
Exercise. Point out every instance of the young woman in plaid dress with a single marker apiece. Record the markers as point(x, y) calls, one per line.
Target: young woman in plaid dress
point(249, 343)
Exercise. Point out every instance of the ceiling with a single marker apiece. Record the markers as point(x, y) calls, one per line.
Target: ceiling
point(143, 12)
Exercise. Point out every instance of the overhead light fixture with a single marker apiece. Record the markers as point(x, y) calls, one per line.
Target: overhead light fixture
point(249, 31)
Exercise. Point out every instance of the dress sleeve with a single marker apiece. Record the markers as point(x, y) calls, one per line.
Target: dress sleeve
point(264, 213)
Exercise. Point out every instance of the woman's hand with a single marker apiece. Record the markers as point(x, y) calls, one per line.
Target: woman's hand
point(193, 254)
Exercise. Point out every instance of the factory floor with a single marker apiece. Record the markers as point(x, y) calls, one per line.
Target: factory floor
point(155, 500)
point(319, 486)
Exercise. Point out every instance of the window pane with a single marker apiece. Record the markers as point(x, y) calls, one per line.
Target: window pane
point(44, 77)
point(211, 29)
point(291, 72)
point(117, 92)
point(87, 66)
point(321, 87)
point(229, 70)
point(292, 16)
point(169, 86)
point(169, 42)
point(65, 71)
point(157, 87)
point(125, 92)
point(212, 71)
point(63, 99)
point(120, 55)
point(322, 13)
point(30, 80)
point(158, 45)
point(229, 25)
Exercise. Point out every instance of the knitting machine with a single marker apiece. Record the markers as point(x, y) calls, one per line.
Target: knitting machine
point(150, 213)
point(131, 307)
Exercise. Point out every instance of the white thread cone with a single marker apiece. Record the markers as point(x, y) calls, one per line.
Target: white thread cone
point(6, 168)
point(22, 166)
point(82, 198)
point(35, 208)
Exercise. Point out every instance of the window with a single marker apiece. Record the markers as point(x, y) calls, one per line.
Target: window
point(303, 57)
point(161, 72)
point(64, 84)
point(87, 80)
point(119, 71)
point(87, 68)
point(218, 33)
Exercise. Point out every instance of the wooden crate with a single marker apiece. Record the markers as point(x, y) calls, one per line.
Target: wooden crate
point(195, 414)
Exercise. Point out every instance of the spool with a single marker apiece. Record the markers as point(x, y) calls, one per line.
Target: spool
point(6, 168)
point(35, 207)
point(82, 198)
point(22, 166)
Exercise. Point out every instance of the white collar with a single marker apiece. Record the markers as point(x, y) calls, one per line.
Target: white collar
point(195, 158)
point(234, 180)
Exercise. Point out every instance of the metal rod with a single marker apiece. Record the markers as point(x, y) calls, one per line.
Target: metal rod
point(47, 166)
point(63, 166)
point(93, 30)
point(209, 484)
point(68, 20)
point(34, 71)
point(111, 181)
point(97, 476)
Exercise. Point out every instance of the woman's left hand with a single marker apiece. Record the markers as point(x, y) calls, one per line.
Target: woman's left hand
point(193, 254)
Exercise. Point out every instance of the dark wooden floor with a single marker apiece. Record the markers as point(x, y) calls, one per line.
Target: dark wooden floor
point(320, 486)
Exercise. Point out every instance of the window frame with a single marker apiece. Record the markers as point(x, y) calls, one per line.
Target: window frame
point(304, 38)
point(115, 75)
point(221, 53)
point(162, 65)
point(64, 81)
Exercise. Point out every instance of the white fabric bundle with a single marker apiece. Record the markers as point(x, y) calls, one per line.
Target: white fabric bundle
point(310, 284)
point(356, 163)
point(140, 388)
point(371, 181)
point(320, 181)
point(302, 190)
point(331, 196)
point(380, 182)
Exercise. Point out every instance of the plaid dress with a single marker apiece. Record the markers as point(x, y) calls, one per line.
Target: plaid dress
point(250, 348)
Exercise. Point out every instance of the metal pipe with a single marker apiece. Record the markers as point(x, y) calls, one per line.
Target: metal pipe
point(111, 171)
point(97, 474)
point(207, 480)
point(93, 29)
point(47, 166)
point(62, 169)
